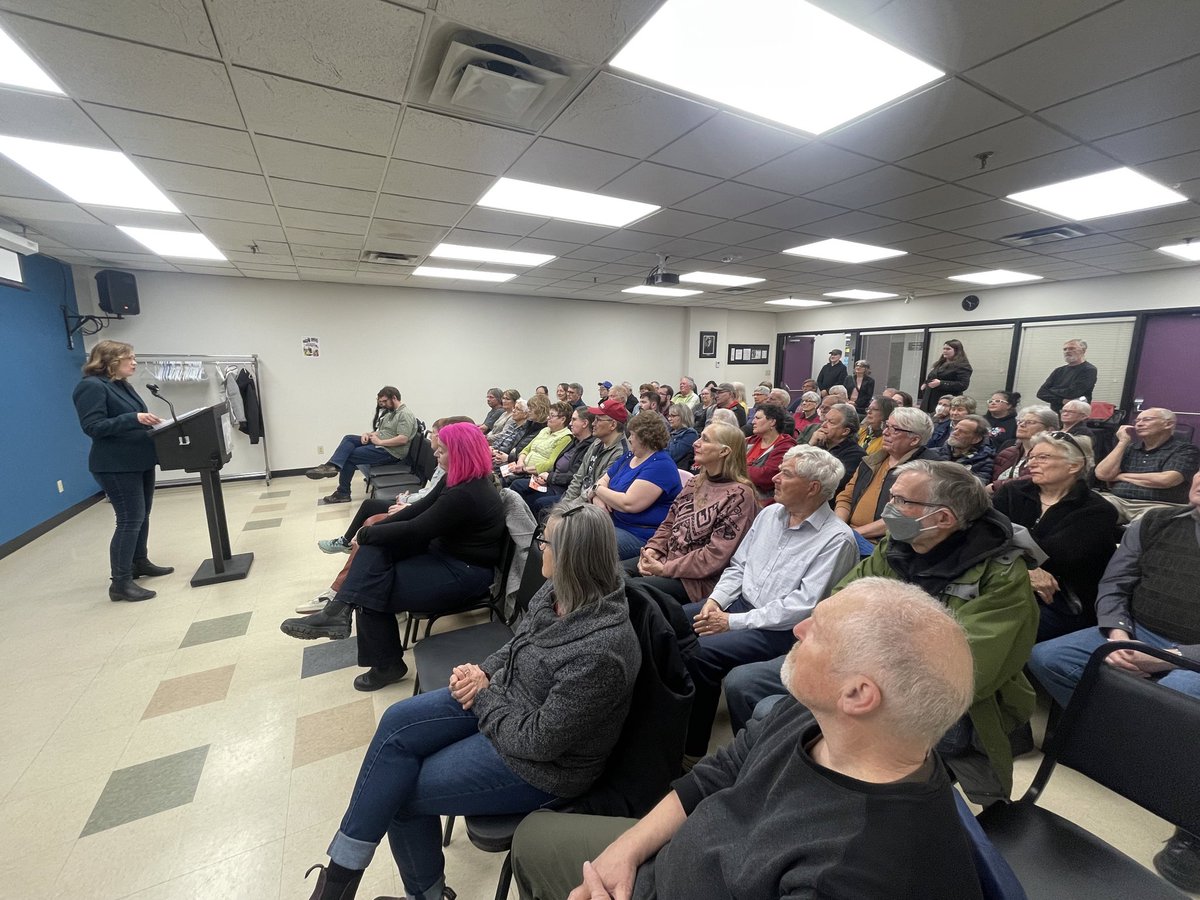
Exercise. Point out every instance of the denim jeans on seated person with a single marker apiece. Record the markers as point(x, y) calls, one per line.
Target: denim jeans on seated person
point(427, 759)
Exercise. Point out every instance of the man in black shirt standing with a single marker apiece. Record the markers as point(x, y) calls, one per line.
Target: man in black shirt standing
point(833, 372)
point(1070, 382)
point(843, 798)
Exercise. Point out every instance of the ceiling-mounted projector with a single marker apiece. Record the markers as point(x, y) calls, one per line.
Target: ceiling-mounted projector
point(660, 277)
point(18, 244)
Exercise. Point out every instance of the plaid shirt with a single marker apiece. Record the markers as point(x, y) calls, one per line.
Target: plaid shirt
point(1176, 455)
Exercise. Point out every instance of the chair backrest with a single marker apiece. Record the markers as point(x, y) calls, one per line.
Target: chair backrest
point(1133, 736)
point(1187, 432)
point(684, 477)
point(532, 580)
point(997, 880)
point(425, 461)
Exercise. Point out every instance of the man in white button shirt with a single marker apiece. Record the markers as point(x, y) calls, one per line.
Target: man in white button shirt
point(794, 553)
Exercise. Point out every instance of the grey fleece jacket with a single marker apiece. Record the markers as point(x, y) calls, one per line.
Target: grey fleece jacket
point(559, 691)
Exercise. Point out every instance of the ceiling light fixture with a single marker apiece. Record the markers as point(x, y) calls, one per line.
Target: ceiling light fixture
point(18, 69)
point(464, 274)
point(533, 199)
point(844, 251)
point(995, 276)
point(793, 301)
point(1103, 194)
point(87, 175)
point(486, 254)
point(784, 60)
point(857, 294)
point(174, 244)
point(1187, 250)
point(660, 291)
point(719, 279)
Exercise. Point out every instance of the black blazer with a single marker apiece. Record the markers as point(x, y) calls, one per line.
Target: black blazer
point(864, 395)
point(108, 412)
point(955, 378)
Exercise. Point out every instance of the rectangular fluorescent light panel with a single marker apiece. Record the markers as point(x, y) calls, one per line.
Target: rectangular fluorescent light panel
point(18, 69)
point(1190, 252)
point(1103, 194)
point(784, 60)
point(533, 199)
point(718, 279)
point(844, 251)
point(87, 175)
point(789, 301)
point(995, 276)
point(463, 274)
point(660, 291)
point(856, 294)
point(174, 244)
point(486, 254)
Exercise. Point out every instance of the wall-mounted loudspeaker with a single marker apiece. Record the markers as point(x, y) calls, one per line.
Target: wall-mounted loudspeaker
point(118, 292)
point(970, 302)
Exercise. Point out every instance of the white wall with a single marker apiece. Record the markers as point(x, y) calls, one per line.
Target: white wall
point(732, 327)
point(1115, 293)
point(442, 349)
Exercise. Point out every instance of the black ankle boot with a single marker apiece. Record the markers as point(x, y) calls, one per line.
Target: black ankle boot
point(1179, 861)
point(125, 589)
point(377, 677)
point(144, 568)
point(334, 884)
point(332, 622)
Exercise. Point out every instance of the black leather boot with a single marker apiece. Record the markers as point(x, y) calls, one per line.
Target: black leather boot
point(334, 888)
point(144, 568)
point(377, 677)
point(332, 622)
point(1179, 861)
point(125, 589)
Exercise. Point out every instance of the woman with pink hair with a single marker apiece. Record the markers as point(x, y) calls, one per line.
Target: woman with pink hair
point(430, 556)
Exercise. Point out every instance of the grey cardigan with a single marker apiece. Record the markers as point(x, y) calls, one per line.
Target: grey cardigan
point(559, 691)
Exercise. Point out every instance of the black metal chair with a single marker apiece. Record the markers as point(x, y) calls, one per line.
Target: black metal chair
point(414, 473)
point(1134, 737)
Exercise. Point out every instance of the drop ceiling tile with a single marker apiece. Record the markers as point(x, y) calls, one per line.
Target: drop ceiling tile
point(1175, 170)
point(1119, 42)
point(319, 165)
point(876, 186)
point(409, 209)
point(631, 240)
point(1162, 233)
point(894, 234)
point(21, 209)
point(572, 231)
point(674, 223)
point(132, 76)
point(731, 200)
point(1176, 212)
point(323, 221)
point(142, 134)
point(139, 218)
point(384, 230)
point(726, 146)
point(732, 233)
point(417, 249)
point(188, 179)
point(934, 241)
point(238, 235)
point(794, 213)
point(266, 267)
point(493, 220)
point(651, 183)
point(273, 276)
point(925, 203)
point(221, 208)
point(303, 263)
point(132, 260)
point(1149, 98)
point(42, 117)
point(596, 253)
point(1012, 142)
point(848, 224)
point(689, 246)
point(1163, 139)
point(533, 245)
point(1073, 162)
point(568, 166)
point(779, 241)
point(174, 24)
point(18, 182)
point(409, 179)
point(441, 140)
point(310, 40)
point(614, 113)
point(298, 111)
point(314, 251)
point(330, 275)
point(304, 195)
point(813, 166)
point(88, 238)
point(248, 258)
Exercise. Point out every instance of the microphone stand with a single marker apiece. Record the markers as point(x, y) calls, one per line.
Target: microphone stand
point(153, 388)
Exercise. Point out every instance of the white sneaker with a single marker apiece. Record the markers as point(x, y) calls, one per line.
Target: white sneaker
point(314, 606)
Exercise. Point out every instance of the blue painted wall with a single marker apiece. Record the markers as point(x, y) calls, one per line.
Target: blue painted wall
point(41, 440)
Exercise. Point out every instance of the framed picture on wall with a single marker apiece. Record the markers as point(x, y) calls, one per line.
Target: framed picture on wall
point(708, 345)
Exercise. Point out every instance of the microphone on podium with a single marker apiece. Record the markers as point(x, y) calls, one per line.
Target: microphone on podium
point(153, 388)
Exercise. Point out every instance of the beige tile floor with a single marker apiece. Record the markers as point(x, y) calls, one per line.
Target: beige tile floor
point(243, 768)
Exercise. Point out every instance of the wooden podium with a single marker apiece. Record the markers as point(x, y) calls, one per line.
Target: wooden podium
point(195, 442)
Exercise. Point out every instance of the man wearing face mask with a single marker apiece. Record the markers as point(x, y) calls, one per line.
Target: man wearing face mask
point(944, 537)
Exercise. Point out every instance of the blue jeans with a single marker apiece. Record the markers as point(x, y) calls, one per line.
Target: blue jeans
point(131, 495)
point(746, 685)
point(427, 759)
point(629, 545)
point(1059, 664)
point(351, 453)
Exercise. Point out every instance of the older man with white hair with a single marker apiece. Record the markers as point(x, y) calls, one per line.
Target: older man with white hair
point(795, 551)
point(1150, 467)
point(836, 793)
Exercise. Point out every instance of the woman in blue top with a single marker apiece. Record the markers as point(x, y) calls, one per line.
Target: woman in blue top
point(122, 460)
point(639, 488)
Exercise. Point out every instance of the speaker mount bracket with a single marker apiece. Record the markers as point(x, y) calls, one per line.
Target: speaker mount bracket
point(73, 323)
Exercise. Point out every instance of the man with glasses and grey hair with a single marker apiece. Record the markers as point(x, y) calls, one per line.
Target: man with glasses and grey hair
point(1074, 381)
point(1150, 467)
point(944, 537)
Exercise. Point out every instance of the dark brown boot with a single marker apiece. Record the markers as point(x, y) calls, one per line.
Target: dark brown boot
point(333, 888)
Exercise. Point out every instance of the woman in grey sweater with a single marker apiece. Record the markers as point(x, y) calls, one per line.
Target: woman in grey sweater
point(532, 724)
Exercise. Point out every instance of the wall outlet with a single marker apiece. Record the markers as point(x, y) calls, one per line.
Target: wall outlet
point(60, 486)
point(320, 449)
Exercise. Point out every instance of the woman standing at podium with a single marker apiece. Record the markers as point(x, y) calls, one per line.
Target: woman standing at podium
point(122, 460)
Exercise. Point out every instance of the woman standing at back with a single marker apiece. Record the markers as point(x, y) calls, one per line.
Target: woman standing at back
point(951, 374)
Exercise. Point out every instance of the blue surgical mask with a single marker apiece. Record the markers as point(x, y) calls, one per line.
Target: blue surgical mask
point(904, 528)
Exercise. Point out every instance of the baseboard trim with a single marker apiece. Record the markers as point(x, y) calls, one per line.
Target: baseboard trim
point(53, 522)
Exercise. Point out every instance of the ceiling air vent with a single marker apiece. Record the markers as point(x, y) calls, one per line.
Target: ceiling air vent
point(1063, 232)
point(383, 256)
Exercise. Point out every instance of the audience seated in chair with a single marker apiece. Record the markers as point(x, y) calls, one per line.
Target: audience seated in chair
point(608, 426)
point(807, 418)
point(870, 432)
point(969, 445)
point(1011, 462)
point(839, 426)
point(495, 402)
point(942, 423)
point(844, 798)
point(1148, 595)
point(727, 398)
point(529, 418)
point(539, 454)
point(765, 449)
point(1074, 415)
point(1150, 467)
point(683, 434)
point(705, 523)
point(541, 491)
point(532, 724)
point(1001, 417)
point(508, 401)
point(687, 394)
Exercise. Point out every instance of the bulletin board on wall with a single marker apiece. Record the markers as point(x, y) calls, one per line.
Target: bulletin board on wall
point(749, 354)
